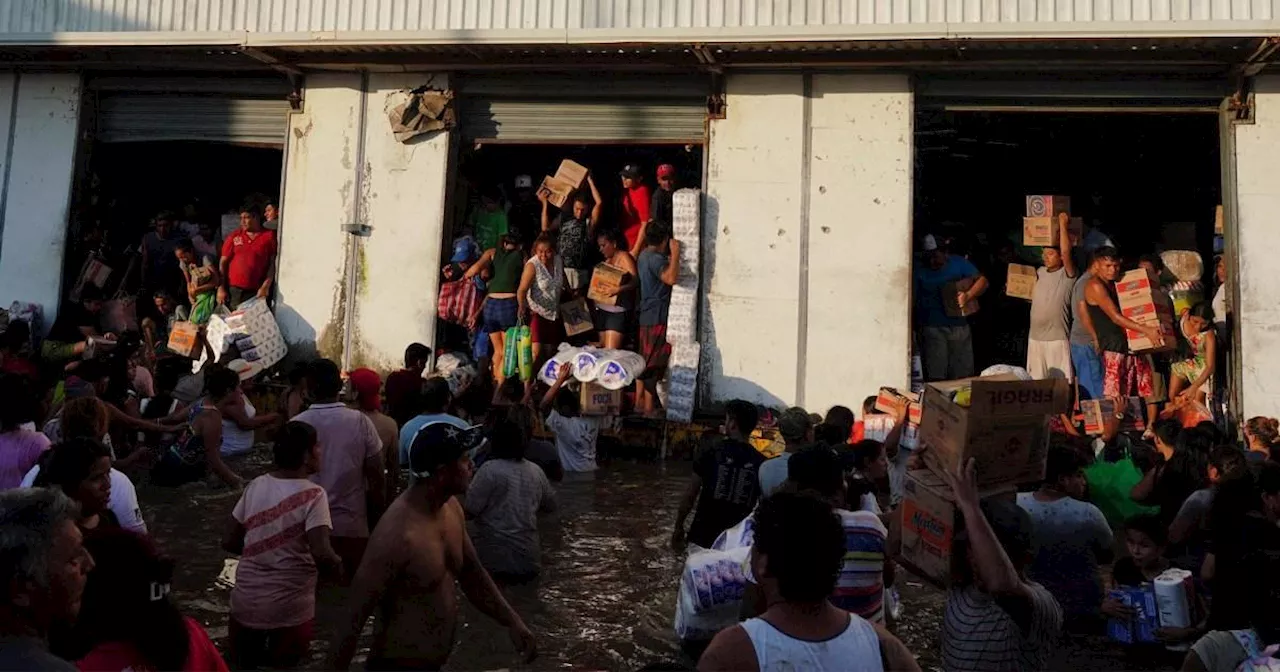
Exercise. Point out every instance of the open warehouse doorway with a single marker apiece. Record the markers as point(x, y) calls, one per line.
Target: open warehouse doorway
point(191, 149)
point(1140, 163)
point(514, 131)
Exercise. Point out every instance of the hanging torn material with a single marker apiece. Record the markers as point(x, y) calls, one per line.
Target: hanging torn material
point(420, 111)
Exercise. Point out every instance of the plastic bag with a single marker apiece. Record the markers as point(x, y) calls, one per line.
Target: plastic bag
point(524, 351)
point(510, 352)
point(1109, 486)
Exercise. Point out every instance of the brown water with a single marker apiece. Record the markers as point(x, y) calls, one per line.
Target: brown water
point(607, 595)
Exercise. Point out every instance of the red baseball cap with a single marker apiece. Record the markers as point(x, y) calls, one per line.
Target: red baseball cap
point(367, 386)
point(666, 170)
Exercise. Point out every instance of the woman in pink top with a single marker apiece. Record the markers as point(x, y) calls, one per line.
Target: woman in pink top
point(20, 448)
point(280, 527)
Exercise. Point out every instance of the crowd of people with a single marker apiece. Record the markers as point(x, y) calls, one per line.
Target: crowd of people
point(519, 261)
point(1075, 328)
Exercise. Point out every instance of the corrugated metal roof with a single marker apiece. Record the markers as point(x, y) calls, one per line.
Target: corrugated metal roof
point(602, 21)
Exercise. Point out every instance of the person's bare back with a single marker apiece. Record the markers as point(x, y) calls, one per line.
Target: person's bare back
point(415, 554)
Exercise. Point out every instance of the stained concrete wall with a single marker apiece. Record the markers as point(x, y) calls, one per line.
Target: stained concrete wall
point(807, 240)
point(1257, 164)
point(319, 198)
point(400, 199)
point(39, 125)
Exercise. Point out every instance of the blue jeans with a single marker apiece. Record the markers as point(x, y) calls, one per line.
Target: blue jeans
point(1088, 366)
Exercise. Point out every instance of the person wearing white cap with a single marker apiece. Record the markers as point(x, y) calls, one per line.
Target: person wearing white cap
point(946, 341)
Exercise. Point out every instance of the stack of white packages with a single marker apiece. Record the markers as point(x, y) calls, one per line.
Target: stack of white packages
point(682, 318)
point(252, 329)
point(611, 369)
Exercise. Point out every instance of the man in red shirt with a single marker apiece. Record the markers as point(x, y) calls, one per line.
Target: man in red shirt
point(248, 261)
point(636, 198)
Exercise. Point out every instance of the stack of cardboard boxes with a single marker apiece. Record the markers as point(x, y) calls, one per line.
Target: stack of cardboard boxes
point(1142, 301)
point(1040, 228)
point(888, 402)
point(561, 187)
point(1000, 422)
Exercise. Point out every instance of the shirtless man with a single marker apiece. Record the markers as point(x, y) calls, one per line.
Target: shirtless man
point(417, 551)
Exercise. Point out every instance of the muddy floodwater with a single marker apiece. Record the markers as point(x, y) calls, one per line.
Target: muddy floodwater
point(606, 598)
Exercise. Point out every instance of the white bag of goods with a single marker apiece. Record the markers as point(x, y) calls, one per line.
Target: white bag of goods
point(711, 589)
point(446, 363)
point(618, 369)
point(741, 535)
point(1006, 369)
point(550, 371)
point(701, 627)
point(1174, 596)
point(252, 329)
point(585, 361)
point(1184, 265)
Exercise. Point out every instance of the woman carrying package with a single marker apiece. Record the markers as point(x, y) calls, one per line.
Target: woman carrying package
point(1197, 354)
point(203, 280)
point(542, 285)
point(611, 321)
point(500, 309)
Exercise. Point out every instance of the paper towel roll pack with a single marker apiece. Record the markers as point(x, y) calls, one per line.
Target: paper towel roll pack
point(611, 369)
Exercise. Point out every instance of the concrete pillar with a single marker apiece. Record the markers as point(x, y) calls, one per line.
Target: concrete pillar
point(807, 240)
point(39, 126)
point(401, 200)
point(1257, 220)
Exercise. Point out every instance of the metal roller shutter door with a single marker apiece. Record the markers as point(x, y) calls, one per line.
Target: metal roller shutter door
point(584, 109)
point(251, 111)
point(1049, 93)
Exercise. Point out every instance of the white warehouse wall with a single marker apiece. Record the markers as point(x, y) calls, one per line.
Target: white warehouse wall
point(1257, 220)
point(807, 236)
point(404, 206)
point(38, 170)
point(859, 238)
point(401, 200)
point(319, 198)
point(751, 242)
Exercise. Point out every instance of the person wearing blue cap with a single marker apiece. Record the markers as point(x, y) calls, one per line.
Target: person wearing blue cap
point(418, 550)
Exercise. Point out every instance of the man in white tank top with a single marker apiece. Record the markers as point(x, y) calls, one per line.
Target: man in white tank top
point(796, 558)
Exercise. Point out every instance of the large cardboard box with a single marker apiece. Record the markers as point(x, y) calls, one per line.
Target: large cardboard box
point(929, 521)
point(1142, 301)
point(1097, 412)
point(950, 291)
point(571, 173)
point(1021, 283)
point(596, 400)
point(1043, 231)
point(1004, 427)
point(557, 192)
point(183, 338)
point(603, 279)
point(1048, 206)
point(890, 399)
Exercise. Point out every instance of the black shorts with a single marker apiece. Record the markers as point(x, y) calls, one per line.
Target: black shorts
point(607, 321)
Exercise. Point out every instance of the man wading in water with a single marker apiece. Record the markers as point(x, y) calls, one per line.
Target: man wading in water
point(419, 547)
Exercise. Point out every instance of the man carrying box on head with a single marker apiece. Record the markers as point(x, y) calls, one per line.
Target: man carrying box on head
point(1049, 345)
point(1124, 374)
point(946, 340)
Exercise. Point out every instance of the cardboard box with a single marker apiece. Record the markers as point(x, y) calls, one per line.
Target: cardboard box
point(890, 399)
point(558, 192)
point(1135, 287)
point(576, 317)
point(1021, 283)
point(603, 279)
point(929, 521)
point(1146, 619)
point(949, 296)
point(1219, 221)
point(1043, 231)
point(1142, 301)
point(1097, 412)
point(571, 173)
point(1005, 426)
point(598, 401)
point(183, 338)
point(1048, 206)
point(877, 428)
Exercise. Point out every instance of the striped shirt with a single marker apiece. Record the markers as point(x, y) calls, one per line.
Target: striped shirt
point(276, 578)
point(860, 588)
point(980, 636)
